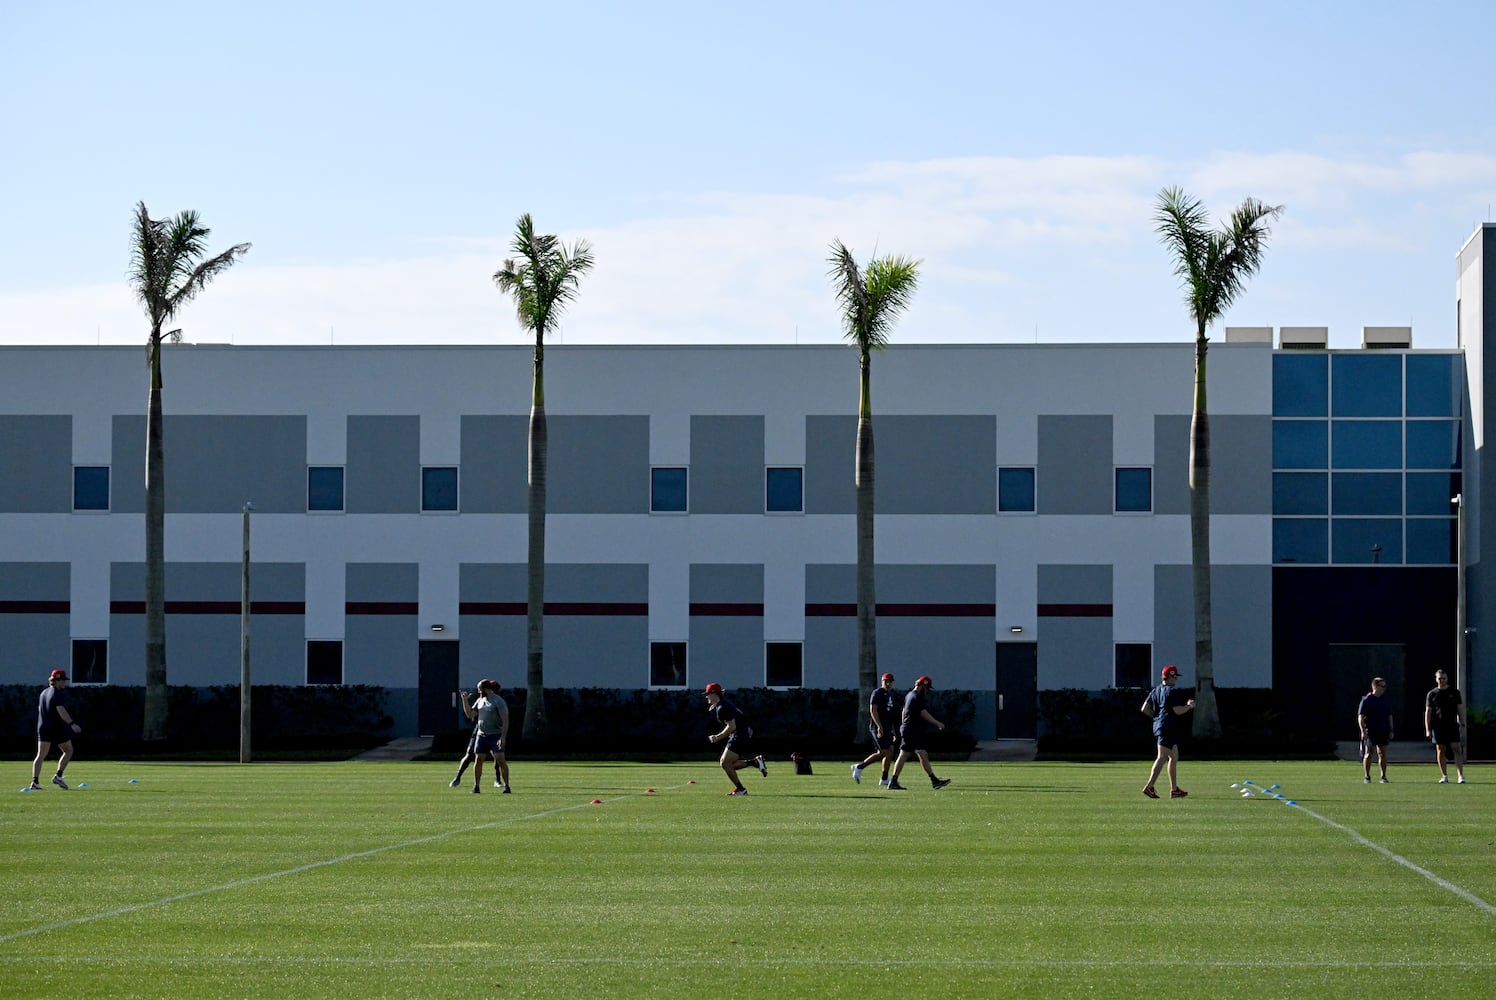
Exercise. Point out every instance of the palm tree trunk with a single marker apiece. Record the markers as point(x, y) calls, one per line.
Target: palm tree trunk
point(536, 722)
point(155, 554)
point(1207, 722)
point(867, 602)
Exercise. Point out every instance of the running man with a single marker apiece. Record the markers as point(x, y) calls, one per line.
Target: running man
point(1167, 706)
point(736, 733)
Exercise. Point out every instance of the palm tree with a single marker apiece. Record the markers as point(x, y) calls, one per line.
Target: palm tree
point(167, 271)
point(542, 276)
point(870, 301)
point(1213, 266)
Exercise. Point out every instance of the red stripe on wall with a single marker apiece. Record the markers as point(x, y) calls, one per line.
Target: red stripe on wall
point(905, 610)
point(707, 609)
point(212, 607)
point(1075, 611)
point(580, 608)
point(381, 608)
point(35, 607)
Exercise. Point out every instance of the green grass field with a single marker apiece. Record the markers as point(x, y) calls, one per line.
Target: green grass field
point(362, 879)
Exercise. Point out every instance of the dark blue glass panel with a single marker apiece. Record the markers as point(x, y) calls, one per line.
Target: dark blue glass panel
point(1301, 444)
point(1366, 385)
point(667, 490)
point(1301, 493)
point(1367, 492)
point(1015, 489)
point(1301, 385)
point(1301, 540)
point(1435, 385)
point(439, 488)
point(91, 487)
point(1134, 490)
point(784, 490)
point(324, 487)
point(1433, 444)
point(1367, 540)
point(1366, 444)
point(1432, 540)
point(1431, 492)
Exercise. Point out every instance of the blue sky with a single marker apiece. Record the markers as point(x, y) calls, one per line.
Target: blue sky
point(377, 155)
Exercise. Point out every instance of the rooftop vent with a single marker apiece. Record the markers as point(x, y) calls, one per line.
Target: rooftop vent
point(1249, 335)
point(1303, 338)
point(1381, 338)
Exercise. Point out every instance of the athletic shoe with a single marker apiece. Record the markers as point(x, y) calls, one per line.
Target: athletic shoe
point(57, 780)
point(1367, 779)
point(894, 786)
point(454, 782)
point(939, 783)
point(857, 773)
point(1384, 779)
point(506, 790)
point(763, 768)
point(476, 789)
point(1178, 793)
point(36, 786)
point(1462, 779)
point(882, 782)
point(1150, 792)
point(497, 783)
point(738, 791)
point(1443, 780)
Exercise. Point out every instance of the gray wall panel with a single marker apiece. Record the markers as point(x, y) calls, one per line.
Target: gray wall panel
point(381, 649)
point(830, 464)
point(727, 583)
point(1171, 463)
point(729, 651)
point(494, 646)
point(834, 583)
point(127, 652)
point(33, 645)
point(1241, 475)
point(1075, 653)
point(495, 464)
point(1242, 619)
point(831, 653)
point(727, 465)
point(597, 465)
point(620, 582)
point(598, 651)
point(394, 582)
point(1075, 584)
point(215, 464)
point(382, 472)
point(35, 581)
point(957, 653)
point(935, 464)
point(1075, 465)
point(36, 464)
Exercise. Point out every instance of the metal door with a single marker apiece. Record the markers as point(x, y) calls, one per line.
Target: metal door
point(1017, 690)
point(439, 708)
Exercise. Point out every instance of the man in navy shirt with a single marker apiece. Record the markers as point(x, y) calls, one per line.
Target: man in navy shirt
point(1441, 724)
point(1167, 706)
point(737, 734)
point(53, 725)
point(1374, 717)
point(883, 723)
point(914, 733)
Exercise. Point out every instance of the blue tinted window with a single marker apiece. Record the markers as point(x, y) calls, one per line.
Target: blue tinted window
point(667, 489)
point(1433, 444)
point(1301, 385)
point(1366, 444)
point(784, 490)
point(1367, 492)
point(1015, 489)
point(1301, 540)
point(1134, 490)
point(91, 487)
point(1434, 385)
point(1366, 540)
point(324, 487)
point(1301, 493)
point(439, 488)
point(1301, 444)
point(1432, 540)
point(1431, 492)
point(1367, 385)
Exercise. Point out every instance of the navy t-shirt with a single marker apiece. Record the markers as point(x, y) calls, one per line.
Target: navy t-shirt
point(1166, 722)
point(47, 719)
point(726, 711)
point(1378, 714)
point(914, 709)
point(881, 707)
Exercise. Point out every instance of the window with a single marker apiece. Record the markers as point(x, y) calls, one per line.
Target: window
point(1301, 493)
point(91, 487)
point(667, 664)
point(1367, 492)
point(1433, 444)
point(1134, 490)
point(667, 490)
point(1432, 541)
point(1301, 444)
point(1366, 444)
point(1015, 489)
point(439, 488)
point(90, 661)
point(1133, 665)
point(784, 664)
point(324, 661)
point(1366, 385)
point(1366, 540)
point(324, 487)
point(1434, 385)
point(1432, 492)
point(1301, 540)
point(1301, 385)
point(784, 490)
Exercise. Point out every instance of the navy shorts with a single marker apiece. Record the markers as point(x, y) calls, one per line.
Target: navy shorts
point(1446, 735)
point(888, 741)
point(1168, 741)
point(488, 743)
point(911, 741)
point(54, 734)
point(741, 744)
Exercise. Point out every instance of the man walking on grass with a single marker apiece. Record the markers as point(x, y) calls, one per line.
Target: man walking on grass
point(914, 735)
point(883, 723)
point(1167, 706)
point(54, 725)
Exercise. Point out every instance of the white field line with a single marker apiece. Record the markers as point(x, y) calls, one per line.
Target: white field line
point(239, 884)
point(1442, 883)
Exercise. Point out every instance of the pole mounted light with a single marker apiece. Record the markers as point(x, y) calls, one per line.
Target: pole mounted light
point(245, 754)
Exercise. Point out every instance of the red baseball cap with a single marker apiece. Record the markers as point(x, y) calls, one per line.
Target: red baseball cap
point(58, 675)
point(925, 681)
point(1169, 668)
point(713, 688)
point(887, 677)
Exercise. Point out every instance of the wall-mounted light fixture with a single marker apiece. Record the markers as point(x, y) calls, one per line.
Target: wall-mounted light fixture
point(1015, 629)
point(438, 627)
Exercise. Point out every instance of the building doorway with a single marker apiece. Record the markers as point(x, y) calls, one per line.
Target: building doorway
point(1352, 666)
point(439, 707)
point(1017, 690)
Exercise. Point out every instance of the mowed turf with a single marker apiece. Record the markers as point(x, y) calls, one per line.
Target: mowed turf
point(363, 879)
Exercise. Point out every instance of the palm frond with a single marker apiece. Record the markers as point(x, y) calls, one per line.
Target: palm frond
point(543, 275)
point(166, 269)
point(1212, 265)
point(871, 299)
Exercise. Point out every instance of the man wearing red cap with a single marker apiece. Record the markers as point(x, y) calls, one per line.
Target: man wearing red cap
point(883, 719)
point(53, 725)
point(914, 734)
point(1166, 706)
point(736, 733)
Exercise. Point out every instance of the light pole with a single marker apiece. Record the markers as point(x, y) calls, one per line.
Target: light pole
point(244, 686)
point(1462, 633)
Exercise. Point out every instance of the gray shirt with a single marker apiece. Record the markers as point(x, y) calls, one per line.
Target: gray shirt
point(491, 711)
